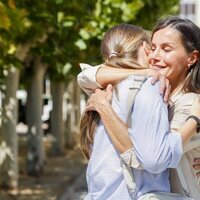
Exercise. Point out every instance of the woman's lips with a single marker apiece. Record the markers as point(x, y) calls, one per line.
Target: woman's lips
point(156, 67)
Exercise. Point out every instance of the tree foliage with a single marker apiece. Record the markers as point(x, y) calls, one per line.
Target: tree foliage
point(63, 33)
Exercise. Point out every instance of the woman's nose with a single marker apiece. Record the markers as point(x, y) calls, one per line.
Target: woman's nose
point(155, 56)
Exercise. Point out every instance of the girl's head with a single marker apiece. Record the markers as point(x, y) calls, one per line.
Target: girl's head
point(175, 52)
point(122, 45)
point(126, 43)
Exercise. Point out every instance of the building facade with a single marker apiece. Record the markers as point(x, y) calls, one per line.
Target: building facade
point(189, 9)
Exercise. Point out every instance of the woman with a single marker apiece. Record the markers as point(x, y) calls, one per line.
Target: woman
point(171, 45)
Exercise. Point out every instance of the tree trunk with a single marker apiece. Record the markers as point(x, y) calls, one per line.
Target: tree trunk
point(36, 154)
point(57, 123)
point(8, 136)
point(77, 108)
point(72, 123)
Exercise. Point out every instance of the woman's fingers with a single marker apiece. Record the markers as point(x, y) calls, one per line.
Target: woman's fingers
point(196, 166)
point(165, 87)
point(155, 78)
point(197, 160)
point(167, 92)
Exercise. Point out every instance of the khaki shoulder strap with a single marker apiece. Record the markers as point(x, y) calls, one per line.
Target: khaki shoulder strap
point(135, 85)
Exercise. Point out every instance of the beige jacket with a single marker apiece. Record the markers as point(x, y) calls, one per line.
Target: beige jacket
point(178, 113)
point(183, 179)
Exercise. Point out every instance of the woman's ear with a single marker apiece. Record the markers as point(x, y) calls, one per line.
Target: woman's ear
point(146, 47)
point(193, 58)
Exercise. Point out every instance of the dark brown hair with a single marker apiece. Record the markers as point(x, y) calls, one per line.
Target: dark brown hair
point(190, 36)
point(119, 48)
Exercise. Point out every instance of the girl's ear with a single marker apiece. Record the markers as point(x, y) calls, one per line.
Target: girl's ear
point(146, 47)
point(193, 58)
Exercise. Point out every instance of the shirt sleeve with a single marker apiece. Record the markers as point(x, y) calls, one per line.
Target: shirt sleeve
point(180, 113)
point(155, 147)
point(129, 157)
point(87, 78)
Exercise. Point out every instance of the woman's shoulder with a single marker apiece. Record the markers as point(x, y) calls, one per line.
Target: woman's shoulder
point(189, 97)
point(184, 98)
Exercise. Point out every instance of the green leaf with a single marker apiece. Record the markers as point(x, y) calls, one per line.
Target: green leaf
point(81, 44)
point(60, 16)
point(68, 24)
point(67, 68)
point(12, 49)
point(84, 34)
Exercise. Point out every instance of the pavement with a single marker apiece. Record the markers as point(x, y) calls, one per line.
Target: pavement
point(78, 189)
point(63, 179)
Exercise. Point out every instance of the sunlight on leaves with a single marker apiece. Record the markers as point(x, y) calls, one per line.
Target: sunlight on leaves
point(98, 8)
point(68, 24)
point(11, 4)
point(5, 72)
point(12, 49)
point(81, 44)
point(4, 19)
point(66, 68)
point(60, 16)
point(84, 34)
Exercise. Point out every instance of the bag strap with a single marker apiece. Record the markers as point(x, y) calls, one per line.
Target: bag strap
point(134, 87)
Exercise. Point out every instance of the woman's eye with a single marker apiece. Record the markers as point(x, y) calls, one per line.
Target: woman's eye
point(167, 49)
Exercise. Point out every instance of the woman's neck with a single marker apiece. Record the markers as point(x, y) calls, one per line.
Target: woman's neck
point(177, 85)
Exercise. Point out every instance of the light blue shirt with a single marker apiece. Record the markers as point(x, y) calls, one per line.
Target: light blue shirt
point(156, 149)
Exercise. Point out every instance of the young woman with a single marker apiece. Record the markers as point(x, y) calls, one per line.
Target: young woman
point(166, 155)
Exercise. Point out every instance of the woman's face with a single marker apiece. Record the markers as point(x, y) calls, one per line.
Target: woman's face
point(168, 55)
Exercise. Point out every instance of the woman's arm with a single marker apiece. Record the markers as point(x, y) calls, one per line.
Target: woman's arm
point(190, 125)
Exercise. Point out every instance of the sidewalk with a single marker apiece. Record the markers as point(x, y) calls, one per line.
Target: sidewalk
point(63, 179)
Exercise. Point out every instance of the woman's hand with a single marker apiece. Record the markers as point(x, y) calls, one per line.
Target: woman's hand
point(165, 87)
point(100, 99)
point(196, 166)
point(195, 110)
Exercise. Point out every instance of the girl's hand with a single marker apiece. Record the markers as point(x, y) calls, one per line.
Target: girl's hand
point(100, 99)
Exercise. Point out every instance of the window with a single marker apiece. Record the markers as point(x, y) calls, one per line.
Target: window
point(187, 10)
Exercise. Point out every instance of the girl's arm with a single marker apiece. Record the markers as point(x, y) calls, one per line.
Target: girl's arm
point(93, 77)
point(98, 77)
point(117, 129)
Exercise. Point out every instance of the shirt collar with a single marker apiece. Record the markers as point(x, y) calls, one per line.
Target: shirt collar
point(175, 97)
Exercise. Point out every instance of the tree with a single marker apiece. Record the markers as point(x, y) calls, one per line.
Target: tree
point(53, 35)
point(13, 25)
